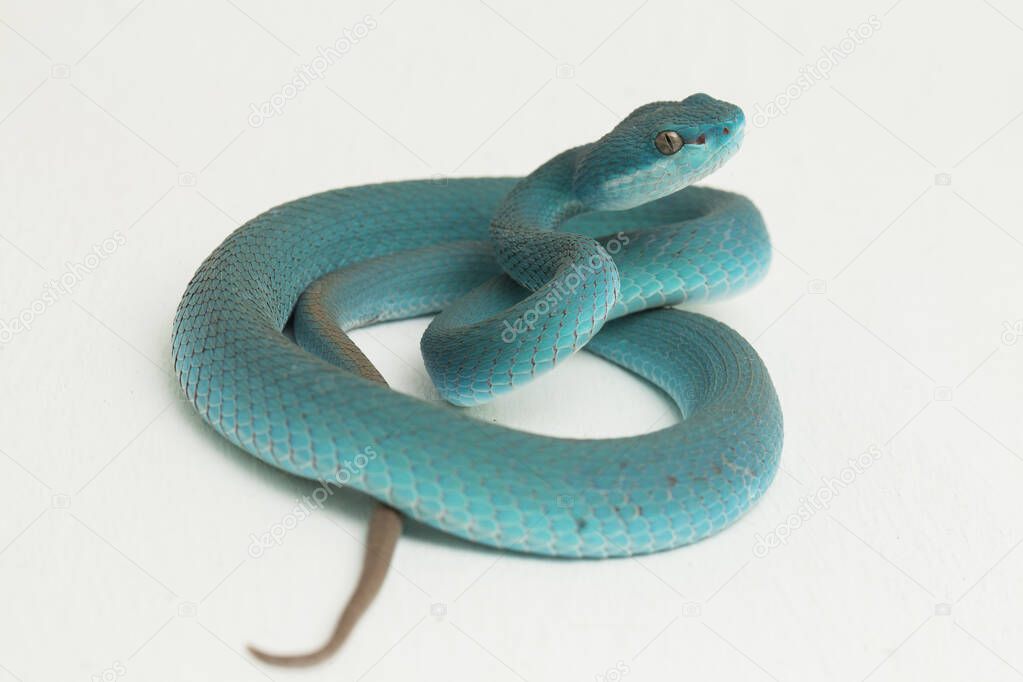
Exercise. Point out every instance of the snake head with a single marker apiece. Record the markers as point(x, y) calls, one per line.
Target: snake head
point(657, 150)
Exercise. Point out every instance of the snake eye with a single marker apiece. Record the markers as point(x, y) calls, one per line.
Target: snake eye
point(668, 142)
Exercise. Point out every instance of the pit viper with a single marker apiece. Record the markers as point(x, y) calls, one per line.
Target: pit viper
point(590, 250)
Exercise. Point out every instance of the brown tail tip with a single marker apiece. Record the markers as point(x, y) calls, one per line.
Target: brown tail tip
point(296, 660)
point(384, 531)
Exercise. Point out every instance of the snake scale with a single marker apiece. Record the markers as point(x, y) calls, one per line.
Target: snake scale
point(526, 271)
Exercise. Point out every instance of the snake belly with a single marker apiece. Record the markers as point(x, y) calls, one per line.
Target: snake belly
point(469, 247)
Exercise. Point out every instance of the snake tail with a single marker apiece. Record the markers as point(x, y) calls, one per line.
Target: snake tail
point(384, 531)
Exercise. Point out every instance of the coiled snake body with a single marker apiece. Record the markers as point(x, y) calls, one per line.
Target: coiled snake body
point(526, 271)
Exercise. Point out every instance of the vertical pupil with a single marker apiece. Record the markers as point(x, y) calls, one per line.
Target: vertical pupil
point(668, 142)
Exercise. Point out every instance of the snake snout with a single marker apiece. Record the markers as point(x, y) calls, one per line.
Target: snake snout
point(727, 129)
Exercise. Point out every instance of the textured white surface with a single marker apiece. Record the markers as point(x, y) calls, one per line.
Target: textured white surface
point(892, 323)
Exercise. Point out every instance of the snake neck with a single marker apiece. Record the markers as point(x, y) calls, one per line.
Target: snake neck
point(544, 199)
point(524, 228)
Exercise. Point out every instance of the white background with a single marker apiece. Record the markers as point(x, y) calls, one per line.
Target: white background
point(891, 319)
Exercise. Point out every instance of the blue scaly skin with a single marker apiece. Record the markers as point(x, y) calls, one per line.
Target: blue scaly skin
point(527, 271)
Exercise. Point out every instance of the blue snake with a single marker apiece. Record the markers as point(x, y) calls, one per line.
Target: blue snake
point(587, 251)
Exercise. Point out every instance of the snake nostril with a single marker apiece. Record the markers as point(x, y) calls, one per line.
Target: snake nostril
point(724, 131)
